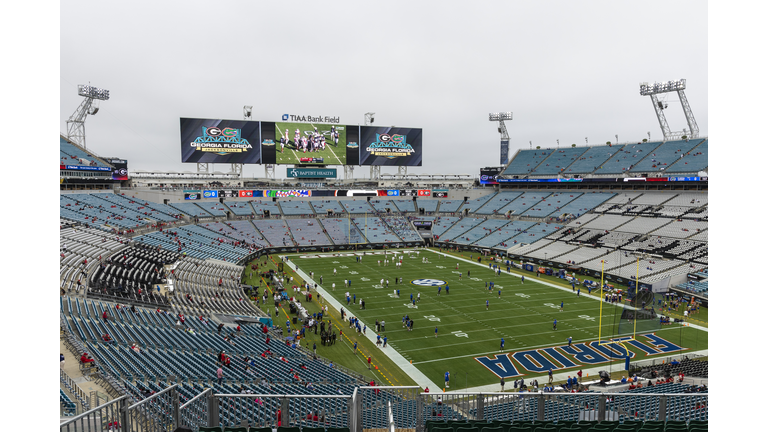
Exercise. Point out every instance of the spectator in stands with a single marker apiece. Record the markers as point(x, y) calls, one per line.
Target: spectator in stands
point(61, 360)
point(85, 358)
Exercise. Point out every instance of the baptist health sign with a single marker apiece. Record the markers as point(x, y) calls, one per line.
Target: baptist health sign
point(311, 172)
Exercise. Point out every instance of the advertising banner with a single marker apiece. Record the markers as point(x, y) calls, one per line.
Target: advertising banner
point(489, 175)
point(286, 193)
point(409, 192)
point(191, 195)
point(390, 146)
point(228, 193)
point(245, 194)
point(220, 141)
point(425, 193)
point(311, 172)
point(440, 193)
point(210, 194)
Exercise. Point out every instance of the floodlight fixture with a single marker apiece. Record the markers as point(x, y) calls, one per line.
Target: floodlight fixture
point(658, 106)
point(92, 92)
point(499, 116)
point(369, 118)
point(247, 111)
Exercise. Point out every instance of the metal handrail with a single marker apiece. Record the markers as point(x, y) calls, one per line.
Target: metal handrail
point(203, 393)
point(143, 401)
point(90, 411)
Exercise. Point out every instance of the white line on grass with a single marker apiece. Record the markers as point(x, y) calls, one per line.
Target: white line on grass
point(397, 358)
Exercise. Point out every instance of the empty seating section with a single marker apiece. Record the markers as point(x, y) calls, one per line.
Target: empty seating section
point(275, 231)
point(197, 242)
point(680, 229)
point(615, 239)
point(583, 203)
point(475, 204)
point(607, 222)
point(307, 232)
point(402, 227)
point(375, 230)
point(191, 209)
point(483, 229)
point(688, 408)
point(522, 203)
point(71, 154)
point(213, 207)
point(688, 200)
point(525, 161)
point(625, 158)
point(588, 161)
point(89, 209)
point(356, 206)
point(694, 161)
point(239, 208)
point(383, 206)
point(582, 220)
point(245, 231)
point(583, 254)
point(665, 155)
point(296, 208)
point(698, 287)
point(205, 287)
point(227, 229)
point(322, 207)
point(642, 225)
point(536, 232)
point(459, 228)
point(259, 206)
point(550, 205)
point(650, 270)
point(553, 250)
point(141, 207)
point(442, 224)
point(505, 236)
point(652, 199)
point(339, 231)
point(429, 205)
point(405, 205)
point(558, 161)
point(450, 206)
point(500, 200)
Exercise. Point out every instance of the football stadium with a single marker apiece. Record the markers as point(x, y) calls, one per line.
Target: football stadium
point(562, 289)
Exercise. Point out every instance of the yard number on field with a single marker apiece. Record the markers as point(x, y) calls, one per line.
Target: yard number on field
point(432, 318)
point(459, 334)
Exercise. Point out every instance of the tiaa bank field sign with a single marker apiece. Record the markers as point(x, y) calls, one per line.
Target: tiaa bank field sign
point(311, 172)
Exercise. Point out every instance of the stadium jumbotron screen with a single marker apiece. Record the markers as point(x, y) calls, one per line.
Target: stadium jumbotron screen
point(220, 141)
point(304, 143)
point(390, 146)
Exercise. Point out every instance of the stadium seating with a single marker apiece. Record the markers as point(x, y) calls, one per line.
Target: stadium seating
point(375, 230)
point(449, 206)
point(405, 205)
point(594, 157)
point(558, 161)
point(384, 206)
point(307, 232)
point(664, 155)
point(356, 206)
point(693, 162)
point(296, 208)
point(624, 160)
point(402, 227)
point(342, 231)
point(275, 231)
point(525, 161)
point(429, 205)
point(522, 203)
point(239, 208)
point(71, 154)
point(472, 206)
point(260, 206)
point(322, 207)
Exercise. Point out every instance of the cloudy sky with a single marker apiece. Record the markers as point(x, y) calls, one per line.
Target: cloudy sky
point(567, 70)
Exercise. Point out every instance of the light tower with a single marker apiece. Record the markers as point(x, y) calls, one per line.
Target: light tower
point(659, 106)
point(500, 117)
point(76, 122)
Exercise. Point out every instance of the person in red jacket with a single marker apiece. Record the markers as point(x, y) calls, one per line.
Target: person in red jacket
point(105, 316)
point(85, 358)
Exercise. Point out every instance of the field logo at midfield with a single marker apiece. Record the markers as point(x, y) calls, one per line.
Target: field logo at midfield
point(428, 282)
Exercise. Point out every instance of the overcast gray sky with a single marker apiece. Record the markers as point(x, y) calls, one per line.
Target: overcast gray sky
point(567, 70)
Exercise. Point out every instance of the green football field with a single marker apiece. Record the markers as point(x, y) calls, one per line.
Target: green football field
point(332, 155)
point(523, 315)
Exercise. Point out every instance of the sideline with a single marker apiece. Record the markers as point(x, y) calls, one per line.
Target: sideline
point(391, 353)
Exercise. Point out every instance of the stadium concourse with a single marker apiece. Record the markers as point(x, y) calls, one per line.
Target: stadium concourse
point(154, 310)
